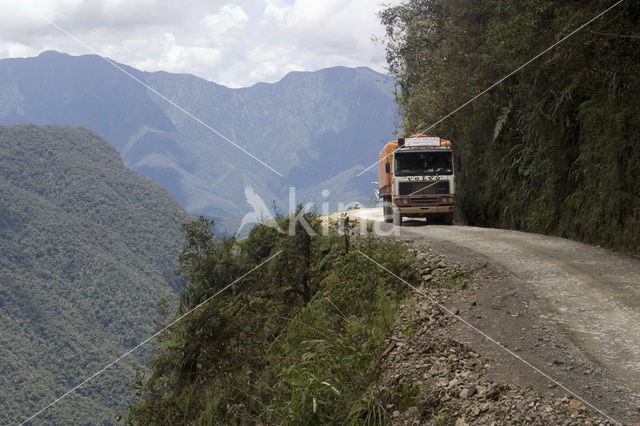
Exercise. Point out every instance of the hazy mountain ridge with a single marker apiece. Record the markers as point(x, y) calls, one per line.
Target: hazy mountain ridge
point(310, 126)
point(87, 248)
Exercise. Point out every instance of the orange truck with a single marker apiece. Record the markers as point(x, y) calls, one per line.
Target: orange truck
point(416, 179)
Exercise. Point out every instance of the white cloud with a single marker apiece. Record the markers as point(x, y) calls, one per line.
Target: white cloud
point(235, 44)
point(275, 11)
point(230, 17)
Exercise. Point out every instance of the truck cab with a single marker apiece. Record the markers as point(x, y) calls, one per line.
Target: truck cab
point(416, 179)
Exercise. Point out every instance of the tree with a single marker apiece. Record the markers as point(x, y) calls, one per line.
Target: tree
point(207, 261)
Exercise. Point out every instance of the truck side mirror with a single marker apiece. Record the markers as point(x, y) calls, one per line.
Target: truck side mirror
point(387, 167)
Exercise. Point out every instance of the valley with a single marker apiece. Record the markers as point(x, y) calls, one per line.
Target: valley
point(310, 127)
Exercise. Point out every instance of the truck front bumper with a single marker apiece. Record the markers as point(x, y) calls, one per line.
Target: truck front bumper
point(424, 210)
point(421, 206)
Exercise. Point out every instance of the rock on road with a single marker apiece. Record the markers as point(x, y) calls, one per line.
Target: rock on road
point(593, 293)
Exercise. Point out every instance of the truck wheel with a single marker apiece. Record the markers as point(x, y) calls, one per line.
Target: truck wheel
point(397, 219)
point(447, 219)
point(387, 212)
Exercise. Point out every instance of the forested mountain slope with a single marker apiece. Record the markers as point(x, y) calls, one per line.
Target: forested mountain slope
point(87, 248)
point(555, 148)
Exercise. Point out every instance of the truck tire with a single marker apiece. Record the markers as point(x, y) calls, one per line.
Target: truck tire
point(397, 219)
point(387, 210)
point(447, 219)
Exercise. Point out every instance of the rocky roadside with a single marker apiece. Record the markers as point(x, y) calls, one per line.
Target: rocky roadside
point(430, 376)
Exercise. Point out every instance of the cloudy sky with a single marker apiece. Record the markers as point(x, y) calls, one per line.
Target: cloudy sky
point(235, 43)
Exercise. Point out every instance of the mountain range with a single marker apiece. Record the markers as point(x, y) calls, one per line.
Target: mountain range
point(87, 249)
point(318, 130)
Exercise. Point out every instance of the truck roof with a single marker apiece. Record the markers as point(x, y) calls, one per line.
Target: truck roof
point(423, 149)
point(424, 141)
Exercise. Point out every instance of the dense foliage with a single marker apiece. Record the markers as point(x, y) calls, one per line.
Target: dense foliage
point(555, 148)
point(295, 342)
point(87, 247)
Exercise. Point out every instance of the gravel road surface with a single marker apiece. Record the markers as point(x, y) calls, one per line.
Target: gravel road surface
point(591, 294)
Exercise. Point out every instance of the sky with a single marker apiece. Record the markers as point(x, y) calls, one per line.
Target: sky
point(234, 43)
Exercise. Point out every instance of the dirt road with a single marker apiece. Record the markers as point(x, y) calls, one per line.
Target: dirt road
point(592, 294)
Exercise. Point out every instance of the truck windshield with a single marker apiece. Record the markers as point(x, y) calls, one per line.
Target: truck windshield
point(423, 163)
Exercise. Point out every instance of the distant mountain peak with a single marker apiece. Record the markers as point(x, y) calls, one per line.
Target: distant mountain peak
point(52, 53)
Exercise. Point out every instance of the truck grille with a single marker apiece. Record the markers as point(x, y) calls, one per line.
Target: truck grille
point(424, 188)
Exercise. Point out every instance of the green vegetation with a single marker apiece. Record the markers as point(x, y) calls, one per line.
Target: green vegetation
point(455, 280)
point(406, 395)
point(410, 323)
point(297, 341)
point(554, 148)
point(440, 419)
point(87, 247)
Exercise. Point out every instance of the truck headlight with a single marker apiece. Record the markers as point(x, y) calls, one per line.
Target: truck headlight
point(448, 200)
